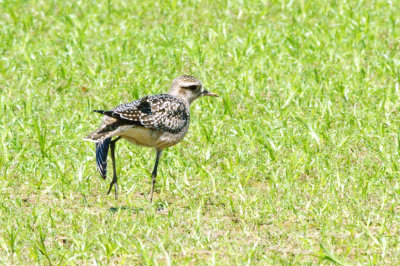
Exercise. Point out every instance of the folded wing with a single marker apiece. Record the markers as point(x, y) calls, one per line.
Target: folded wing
point(159, 112)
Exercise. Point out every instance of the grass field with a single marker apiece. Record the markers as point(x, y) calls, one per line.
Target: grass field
point(298, 161)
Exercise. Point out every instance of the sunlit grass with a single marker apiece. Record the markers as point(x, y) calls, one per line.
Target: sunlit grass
point(296, 162)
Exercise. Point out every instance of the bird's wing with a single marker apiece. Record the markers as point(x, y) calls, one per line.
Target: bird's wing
point(161, 112)
point(102, 148)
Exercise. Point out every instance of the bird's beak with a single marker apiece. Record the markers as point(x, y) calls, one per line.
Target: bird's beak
point(207, 93)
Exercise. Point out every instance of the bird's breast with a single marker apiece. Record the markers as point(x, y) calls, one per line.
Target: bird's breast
point(167, 139)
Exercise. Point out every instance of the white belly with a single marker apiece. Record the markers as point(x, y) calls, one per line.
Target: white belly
point(141, 136)
point(151, 138)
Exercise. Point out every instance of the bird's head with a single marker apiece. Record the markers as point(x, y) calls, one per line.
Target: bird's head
point(189, 88)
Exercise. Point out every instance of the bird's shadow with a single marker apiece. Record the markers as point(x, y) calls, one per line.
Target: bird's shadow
point(159, 207)
point(125, 208)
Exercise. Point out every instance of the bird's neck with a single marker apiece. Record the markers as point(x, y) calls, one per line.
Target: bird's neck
point(181, 97)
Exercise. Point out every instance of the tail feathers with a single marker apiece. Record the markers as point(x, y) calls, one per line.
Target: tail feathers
point(107, 129)
point(108, 113)
point(101, 156)
point(99, 136)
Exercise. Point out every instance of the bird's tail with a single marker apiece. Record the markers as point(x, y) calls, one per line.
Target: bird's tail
point(109, 128)
point(102, 148)
point(98, 136)
point(102, 138)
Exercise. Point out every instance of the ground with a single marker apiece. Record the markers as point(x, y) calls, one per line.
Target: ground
point(296, 162)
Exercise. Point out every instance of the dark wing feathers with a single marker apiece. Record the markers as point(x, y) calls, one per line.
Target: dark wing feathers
point(159, 112)
point(144, 106)
point(101, 156)
point(109, 113)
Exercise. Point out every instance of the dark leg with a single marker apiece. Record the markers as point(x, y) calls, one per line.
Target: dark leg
point(114, 180)
point(154, 174)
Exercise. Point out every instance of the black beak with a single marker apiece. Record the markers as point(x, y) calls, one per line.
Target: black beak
point(207, 93)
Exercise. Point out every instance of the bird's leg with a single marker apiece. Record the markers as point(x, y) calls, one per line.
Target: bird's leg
point(115, 179)
point(154, 173)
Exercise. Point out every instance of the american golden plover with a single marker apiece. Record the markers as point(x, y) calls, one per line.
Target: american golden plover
point(157, 121)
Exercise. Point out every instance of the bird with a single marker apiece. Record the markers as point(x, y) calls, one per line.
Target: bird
point(156, 121)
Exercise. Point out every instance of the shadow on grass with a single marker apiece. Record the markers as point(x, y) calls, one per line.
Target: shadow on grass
point(125, 208)
point(160, 206)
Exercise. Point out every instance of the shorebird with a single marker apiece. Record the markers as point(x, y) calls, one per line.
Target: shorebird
point(157, 121)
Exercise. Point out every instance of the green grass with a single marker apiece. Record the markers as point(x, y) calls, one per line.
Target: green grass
point(297, 161)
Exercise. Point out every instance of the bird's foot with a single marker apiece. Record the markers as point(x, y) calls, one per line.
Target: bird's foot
point(115, 183)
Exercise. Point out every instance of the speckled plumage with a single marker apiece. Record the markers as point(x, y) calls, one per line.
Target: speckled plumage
point(157, 121)
point(161, 112)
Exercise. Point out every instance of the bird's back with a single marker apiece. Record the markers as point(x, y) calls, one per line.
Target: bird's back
point(152, 121)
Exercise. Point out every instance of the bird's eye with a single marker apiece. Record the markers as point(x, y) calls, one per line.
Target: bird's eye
point(193, 87)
